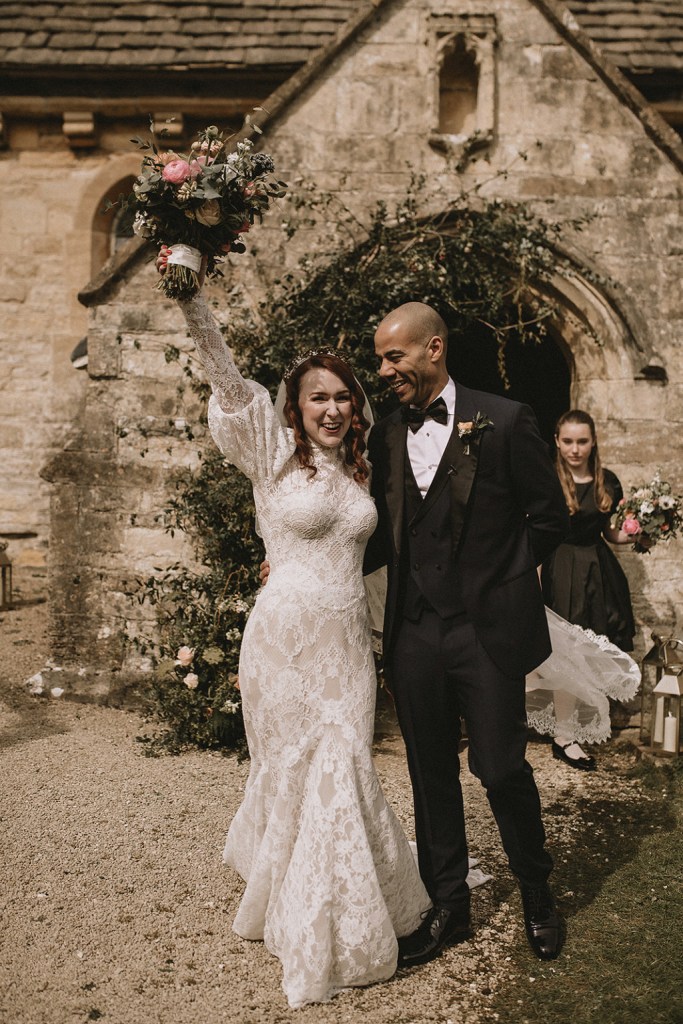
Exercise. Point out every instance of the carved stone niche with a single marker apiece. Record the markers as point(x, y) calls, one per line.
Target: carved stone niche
point(464, 83)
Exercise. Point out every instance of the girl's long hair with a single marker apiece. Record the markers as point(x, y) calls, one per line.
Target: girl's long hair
point(603, 500)
point(354, 440)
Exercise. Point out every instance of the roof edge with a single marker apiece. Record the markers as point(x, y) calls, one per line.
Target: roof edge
point(114, 271)
point(656, 128)
point(279, 100)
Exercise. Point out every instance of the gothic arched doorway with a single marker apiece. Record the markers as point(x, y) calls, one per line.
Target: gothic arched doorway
point(539, 372)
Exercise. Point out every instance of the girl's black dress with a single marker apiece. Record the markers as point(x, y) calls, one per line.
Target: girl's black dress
point(582, 580)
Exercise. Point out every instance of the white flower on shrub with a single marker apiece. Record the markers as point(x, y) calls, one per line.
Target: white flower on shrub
point(191, 681)
point(35, 685)
point(231, 707)
point(184, 656)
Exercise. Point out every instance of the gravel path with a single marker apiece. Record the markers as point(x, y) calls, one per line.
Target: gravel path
point(116, 905)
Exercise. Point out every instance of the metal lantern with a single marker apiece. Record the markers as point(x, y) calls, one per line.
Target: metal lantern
point(5, 577)
point(664, 658)
point(667, 701)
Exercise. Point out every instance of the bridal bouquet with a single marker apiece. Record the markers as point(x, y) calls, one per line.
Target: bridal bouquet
point(200, 203)
point(650, 511)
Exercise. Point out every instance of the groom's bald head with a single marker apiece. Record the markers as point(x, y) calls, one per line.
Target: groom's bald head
point(417, 322)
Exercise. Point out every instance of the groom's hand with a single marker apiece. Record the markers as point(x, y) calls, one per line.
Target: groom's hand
point(264, 572)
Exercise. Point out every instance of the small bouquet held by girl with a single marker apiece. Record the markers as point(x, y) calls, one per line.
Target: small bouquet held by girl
point(200, 204)
point(649, 514)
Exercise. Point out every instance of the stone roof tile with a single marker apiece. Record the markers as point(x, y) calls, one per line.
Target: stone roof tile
point(273, 32)
point(198, 32)
point(632, 31)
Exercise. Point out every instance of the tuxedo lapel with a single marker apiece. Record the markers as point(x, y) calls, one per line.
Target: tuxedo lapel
point(463, 459)
point(395, 479)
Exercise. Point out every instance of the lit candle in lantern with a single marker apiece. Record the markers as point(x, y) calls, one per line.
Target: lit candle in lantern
point(658, 734)
point(669, 734)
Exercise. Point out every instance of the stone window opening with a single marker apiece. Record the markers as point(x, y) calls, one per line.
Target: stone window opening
point(464, 84)
point(112, 226)
point(121, 229)
point(458, 90)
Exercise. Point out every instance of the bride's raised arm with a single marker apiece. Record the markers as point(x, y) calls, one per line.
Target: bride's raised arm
point(241, 417)
point(227, 383)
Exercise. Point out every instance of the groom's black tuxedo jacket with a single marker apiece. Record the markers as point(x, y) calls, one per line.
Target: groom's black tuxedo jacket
point(507, 514)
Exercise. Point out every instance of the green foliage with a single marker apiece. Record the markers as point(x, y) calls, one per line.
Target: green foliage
point(204, 611)
point(479, 264)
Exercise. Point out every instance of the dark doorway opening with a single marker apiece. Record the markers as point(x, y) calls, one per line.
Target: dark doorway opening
point(538, 372)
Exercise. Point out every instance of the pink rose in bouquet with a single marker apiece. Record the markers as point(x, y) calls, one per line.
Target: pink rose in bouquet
point(178, 171)
point(631, 526)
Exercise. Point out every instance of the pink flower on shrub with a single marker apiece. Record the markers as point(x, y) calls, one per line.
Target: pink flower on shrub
point(191, 681)
point(184, 656)
point(631, 526)
point(178, 171)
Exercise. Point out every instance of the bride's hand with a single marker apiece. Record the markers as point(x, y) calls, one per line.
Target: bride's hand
point(162, 259)
point(162, 263)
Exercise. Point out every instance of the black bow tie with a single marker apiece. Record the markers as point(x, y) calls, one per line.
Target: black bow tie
point(416, 417)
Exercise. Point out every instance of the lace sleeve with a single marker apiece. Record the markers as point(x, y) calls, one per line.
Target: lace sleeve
point(227, 383)
point(241, 417)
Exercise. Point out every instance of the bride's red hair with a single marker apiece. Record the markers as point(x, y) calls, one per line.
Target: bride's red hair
point(354, 440)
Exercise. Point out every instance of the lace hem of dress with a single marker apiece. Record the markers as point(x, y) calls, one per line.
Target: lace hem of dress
point(331, 880)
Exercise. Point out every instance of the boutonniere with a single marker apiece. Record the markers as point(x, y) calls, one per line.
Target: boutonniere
point(469, 430)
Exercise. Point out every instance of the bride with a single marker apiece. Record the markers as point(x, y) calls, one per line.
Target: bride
point(330, 878)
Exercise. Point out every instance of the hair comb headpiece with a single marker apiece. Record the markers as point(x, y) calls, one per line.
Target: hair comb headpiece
point(298, 360)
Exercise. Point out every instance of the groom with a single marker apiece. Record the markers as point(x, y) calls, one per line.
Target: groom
point(469, 504)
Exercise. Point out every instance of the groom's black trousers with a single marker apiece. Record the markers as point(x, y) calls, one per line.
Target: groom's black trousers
point(438, 673)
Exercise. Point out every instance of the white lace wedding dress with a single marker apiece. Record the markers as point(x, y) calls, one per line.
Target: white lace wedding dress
point(330, 878)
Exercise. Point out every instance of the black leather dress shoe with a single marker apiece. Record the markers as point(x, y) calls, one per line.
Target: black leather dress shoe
point(440, 927)
point(584, 764)
point(542, 922)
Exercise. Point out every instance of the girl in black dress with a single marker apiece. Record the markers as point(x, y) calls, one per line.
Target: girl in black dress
point(582, 580)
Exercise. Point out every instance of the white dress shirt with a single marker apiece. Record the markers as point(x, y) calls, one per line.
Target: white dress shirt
point(427, 445)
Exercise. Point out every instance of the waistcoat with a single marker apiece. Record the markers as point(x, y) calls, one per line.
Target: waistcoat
point(429, 574)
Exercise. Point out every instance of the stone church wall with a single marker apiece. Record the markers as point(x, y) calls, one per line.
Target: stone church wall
point(360, 129)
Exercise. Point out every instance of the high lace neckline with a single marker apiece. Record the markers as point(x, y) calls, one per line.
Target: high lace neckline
point(326, 453)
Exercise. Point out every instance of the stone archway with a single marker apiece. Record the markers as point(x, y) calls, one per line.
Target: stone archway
point(595, 346)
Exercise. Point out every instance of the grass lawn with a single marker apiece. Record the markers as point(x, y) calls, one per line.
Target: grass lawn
point(623, 901)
